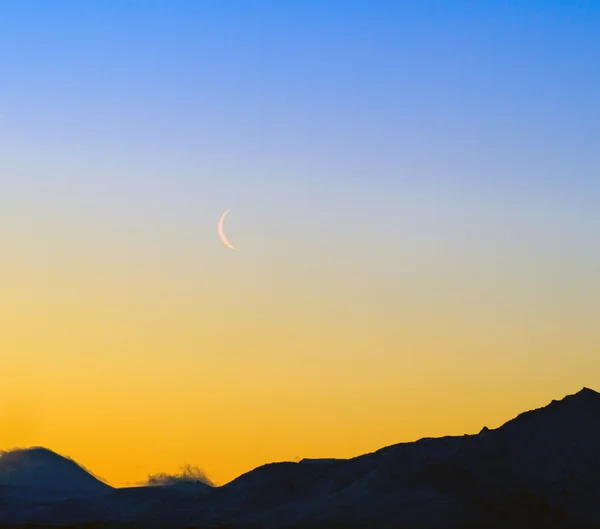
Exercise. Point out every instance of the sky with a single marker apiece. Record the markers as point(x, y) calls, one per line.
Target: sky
point(413, 185)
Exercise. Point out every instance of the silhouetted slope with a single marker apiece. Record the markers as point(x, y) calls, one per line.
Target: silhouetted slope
point(44, 469)
point(540, 470)
point(540, 465)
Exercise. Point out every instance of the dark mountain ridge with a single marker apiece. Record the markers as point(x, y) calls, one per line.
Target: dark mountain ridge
point(41, 468)
point(539, 470)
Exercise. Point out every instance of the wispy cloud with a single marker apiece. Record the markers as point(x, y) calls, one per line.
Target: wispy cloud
point(188, 474)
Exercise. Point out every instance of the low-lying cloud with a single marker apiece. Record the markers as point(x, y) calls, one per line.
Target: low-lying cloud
point(188, 474)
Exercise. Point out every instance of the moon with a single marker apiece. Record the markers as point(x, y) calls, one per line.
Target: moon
point(222, 232)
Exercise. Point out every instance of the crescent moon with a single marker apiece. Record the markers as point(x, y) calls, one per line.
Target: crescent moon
point(222, 232)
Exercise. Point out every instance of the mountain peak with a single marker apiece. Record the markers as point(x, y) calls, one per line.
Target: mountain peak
point(575, 407)
point(41, 467)
point(588, 392)
point(37, 452)
point(583, 397)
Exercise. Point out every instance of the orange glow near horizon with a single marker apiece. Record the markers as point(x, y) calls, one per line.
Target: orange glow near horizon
point(139, 362)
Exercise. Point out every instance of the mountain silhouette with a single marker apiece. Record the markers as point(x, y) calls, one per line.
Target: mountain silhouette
point(540, 470)
point(41, 468)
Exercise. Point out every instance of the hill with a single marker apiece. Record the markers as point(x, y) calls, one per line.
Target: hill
point(540, 470)
point(41, 468)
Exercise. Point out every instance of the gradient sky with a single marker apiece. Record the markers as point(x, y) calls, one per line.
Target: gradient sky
point(414, 185)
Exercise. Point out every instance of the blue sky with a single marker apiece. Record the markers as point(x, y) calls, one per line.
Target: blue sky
point(316, 113)
point(336, 114)
point(490, 94)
